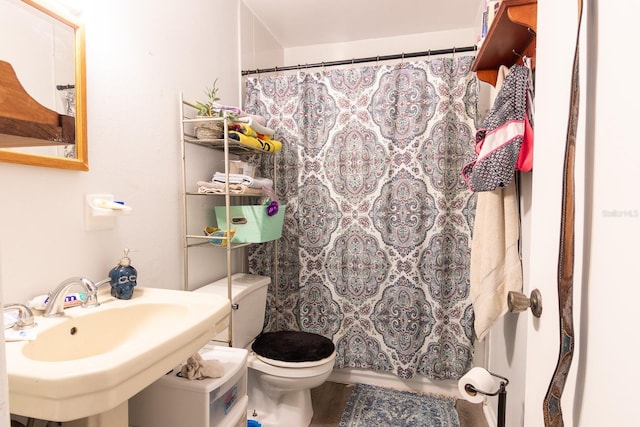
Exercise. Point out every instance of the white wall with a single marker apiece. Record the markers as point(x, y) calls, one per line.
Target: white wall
point(139, 58)
point(380, 47)
point(258, 47)
point(612, 228)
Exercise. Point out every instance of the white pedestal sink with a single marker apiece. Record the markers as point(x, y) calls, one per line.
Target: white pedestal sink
point(82, 368)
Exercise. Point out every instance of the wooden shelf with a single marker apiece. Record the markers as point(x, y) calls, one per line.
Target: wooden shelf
point(513, 29)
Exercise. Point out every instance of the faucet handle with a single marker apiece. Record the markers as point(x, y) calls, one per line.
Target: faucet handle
point(25, 316)
point(92, 292)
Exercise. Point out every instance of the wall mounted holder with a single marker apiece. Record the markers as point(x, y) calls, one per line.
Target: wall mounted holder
point(501, 393)
point(101, 210)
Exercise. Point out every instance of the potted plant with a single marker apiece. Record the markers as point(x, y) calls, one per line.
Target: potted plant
point(213, 129)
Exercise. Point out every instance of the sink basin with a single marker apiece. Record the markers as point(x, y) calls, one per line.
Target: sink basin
point(84, 336)
point(93, 360)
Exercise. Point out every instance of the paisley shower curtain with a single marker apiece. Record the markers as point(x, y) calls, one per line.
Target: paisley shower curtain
point(376, 242)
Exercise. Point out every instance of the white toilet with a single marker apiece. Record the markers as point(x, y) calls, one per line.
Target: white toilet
point(283, 366)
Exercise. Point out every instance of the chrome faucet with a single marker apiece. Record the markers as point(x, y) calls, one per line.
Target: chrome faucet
point(25, 316)
point(55, 306)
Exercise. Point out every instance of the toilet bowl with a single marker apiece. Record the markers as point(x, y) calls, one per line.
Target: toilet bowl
point(281, 395)
point(283, 366)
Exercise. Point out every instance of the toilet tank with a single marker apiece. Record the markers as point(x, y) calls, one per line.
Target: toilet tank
point(249, 292)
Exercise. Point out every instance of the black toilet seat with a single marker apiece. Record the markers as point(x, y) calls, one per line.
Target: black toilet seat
point(293, 346)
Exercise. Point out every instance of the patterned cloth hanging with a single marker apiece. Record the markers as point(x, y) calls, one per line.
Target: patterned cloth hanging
point(501, 136)
point(376, 244)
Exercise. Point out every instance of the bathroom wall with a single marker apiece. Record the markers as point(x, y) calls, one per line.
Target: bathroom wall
point(419, 42)
point(139, 58)
point(258, 47)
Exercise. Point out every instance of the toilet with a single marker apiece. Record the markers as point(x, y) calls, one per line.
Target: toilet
point(283, 366)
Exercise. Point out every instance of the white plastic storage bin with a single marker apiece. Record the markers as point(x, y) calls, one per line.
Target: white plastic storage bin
point(174, 401)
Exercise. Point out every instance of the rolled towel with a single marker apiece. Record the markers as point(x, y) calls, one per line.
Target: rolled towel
point(255, 118)
point(264, 144)
point(253, 123)
point(197, 368)
point(240, 113)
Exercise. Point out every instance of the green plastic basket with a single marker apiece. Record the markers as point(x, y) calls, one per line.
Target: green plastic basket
point(252, 223)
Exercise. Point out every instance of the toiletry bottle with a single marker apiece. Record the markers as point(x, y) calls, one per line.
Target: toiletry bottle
point(123, 278)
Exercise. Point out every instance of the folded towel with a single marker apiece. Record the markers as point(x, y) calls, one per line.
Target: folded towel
point(197, 368)
point(256, 125)
point(495, 257)
point(265, 144)
point(231, 108)
point(247, 180)
point(240, 113)
point(208, 187)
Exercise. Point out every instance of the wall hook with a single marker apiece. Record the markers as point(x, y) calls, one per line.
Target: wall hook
point(518, 302)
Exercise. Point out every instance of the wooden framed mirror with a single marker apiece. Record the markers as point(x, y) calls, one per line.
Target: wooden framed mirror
point(43, 117)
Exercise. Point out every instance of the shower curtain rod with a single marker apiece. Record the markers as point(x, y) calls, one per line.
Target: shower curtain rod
point(360, 60)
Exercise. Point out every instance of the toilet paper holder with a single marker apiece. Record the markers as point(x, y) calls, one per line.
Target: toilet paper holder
point(501, 393)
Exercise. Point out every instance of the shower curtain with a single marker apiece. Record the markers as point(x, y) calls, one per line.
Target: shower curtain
point(376, 241)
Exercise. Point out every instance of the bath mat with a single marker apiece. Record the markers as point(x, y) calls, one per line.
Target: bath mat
point(370, 406)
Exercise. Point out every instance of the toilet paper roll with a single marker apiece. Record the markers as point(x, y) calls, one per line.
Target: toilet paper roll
point(480, 379)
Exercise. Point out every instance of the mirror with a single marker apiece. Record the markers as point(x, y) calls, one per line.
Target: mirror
point(43, 118)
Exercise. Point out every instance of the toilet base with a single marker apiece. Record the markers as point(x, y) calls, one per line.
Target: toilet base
point(290, 409)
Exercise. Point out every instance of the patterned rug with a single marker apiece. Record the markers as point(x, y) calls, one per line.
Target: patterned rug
point(382, 407)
